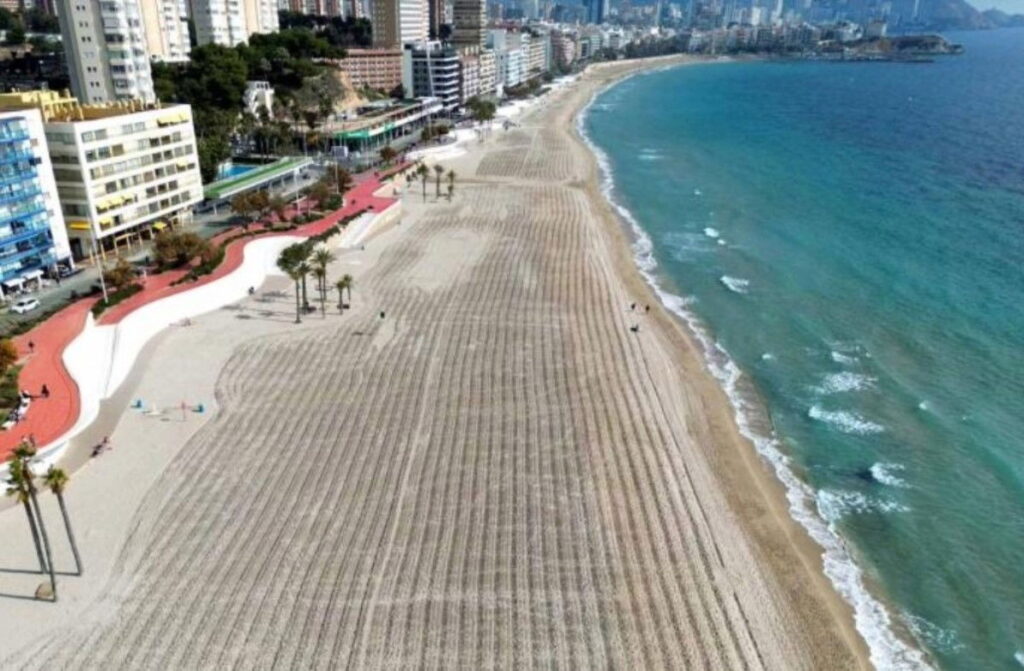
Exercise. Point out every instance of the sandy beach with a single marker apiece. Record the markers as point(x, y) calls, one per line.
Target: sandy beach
point(499, 473)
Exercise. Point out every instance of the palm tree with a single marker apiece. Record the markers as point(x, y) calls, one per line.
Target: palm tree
point(348, 285)
point(24, 454)
point(424, 174)
point(343, 285)
point(451, 184)
point(321, 277)
point(17, 488)
point(340, 286)
point(438, 171)
point(304, 269)
point(322, 258)
point(56, 480)
point(288, 261)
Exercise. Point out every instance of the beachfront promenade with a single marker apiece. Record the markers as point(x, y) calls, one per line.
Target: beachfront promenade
point(43, 348)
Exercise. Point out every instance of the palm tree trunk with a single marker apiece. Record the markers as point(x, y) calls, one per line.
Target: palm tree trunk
point(305, 296)
point(35, 536)
point(298, 306)
point(71, 534)
point(46, 541)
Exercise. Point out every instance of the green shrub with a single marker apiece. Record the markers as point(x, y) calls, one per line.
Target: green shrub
point(114, 298)
point(10, 391)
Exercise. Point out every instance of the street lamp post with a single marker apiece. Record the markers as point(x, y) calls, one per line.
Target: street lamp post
point(99, 264)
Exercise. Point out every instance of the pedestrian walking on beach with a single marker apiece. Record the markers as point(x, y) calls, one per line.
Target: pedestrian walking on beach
point(31, 346)
point(45, 391)
point(647, 308)
point(632, 306)
point(382, 314)
point(635, 328)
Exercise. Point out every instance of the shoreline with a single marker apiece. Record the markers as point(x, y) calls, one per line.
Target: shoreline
point(825, 553)
point(596, 492)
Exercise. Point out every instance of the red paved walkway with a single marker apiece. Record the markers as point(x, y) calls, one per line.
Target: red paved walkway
point(48, 418)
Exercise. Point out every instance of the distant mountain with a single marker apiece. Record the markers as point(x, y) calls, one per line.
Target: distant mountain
point(959, 15)
point(1000, 19)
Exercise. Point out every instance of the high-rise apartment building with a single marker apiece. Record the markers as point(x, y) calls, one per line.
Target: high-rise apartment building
point(165, 23)
point(470, 19)
point(314, 7)
point(232, 22)
point(435, 10)
point(597, 11)
point(400, 22)
point(105, 46)
point(32, 234)
point(122, 171)
point(431, 70)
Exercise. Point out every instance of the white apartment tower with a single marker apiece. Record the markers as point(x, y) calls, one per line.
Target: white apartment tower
point(232, 22)
point(166, 30)
point(105, 46)
point(399, 22)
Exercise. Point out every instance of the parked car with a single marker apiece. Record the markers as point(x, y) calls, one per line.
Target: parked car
point(23, 305)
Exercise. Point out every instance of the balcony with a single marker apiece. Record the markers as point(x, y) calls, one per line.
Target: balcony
point(20, 195)
point(19, 136)
point(22, 213)
point(16, 156)
point(26, 233)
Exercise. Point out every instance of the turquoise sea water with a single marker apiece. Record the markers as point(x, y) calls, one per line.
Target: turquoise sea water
point(852, 235)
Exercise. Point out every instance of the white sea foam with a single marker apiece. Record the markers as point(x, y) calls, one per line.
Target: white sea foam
point(735, 284)
point(721, 241)
point(835, 504)
point(1019, 657)
point(711, 232)
point(934, 636)
point(845, 359)
point(696, 192)
point(846, 352)
point(845, 421)
point(923, 405)
point(837, 383)
point(872, 619)
point(768, 356)
point(885, 473)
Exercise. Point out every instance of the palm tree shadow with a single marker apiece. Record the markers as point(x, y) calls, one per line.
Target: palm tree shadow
point(24, 597)
point(28, 571)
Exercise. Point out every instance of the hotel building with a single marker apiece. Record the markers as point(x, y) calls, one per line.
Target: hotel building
point(379, 69)
point(231, 22)
point(32, 234)
point(122, 171)
point(106, 50)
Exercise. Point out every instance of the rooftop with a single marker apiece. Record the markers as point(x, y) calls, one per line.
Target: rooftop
point(62, 106)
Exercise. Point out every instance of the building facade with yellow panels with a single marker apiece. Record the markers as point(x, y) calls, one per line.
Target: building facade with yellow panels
point(122, 170)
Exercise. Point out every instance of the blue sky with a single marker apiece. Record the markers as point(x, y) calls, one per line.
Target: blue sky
point(1011, 6)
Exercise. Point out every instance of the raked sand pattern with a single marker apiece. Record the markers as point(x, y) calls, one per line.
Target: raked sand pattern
point(498, 475)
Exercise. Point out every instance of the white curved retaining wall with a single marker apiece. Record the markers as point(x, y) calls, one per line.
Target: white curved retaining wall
point(100, 357)
point(133, 332)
